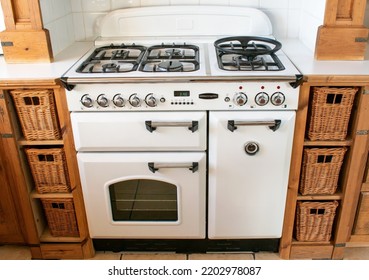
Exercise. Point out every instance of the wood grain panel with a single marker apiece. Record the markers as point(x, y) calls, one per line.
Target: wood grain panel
point(362, 217)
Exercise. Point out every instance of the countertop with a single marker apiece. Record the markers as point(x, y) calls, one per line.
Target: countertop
point(300, 55)
point(30, 71)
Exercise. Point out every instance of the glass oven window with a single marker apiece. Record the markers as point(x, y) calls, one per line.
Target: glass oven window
point(144, 200)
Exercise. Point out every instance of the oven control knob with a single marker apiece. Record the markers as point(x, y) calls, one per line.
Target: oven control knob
point(102, 100)
point(134, 100)
point(261, 98)
point(278, 98)
point(87, 101)
point(150, 100)
point(118, 100)
point(240, 99)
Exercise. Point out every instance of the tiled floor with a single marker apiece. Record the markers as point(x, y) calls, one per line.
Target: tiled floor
point(8, 252)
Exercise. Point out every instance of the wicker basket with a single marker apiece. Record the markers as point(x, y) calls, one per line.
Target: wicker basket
point(330, 113)
point(37, 114)
point(314, 220)
point(49, 170)
point(320, 170)
point(61, 217)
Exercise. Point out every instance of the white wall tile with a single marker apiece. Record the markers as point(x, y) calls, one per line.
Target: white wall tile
point(308, 30)
point(119, 4)
point(316, 8)
point(96, 5)
point(245, 3)
point(79, 27)
point(273, 4)
point(293, 23)
point(279, 19)
point(215, 2)
point(184, 2)
point(91, 21)
point(296, 4)
point(76, 5)
point(47, 11)
point(155, 2)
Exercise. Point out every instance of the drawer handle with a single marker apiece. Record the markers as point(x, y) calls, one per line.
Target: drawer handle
point(193, 166)
point(152, 125)
point(273, 124)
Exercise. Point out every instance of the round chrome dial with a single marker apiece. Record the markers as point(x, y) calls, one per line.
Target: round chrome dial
point(278, 98)
point(261, 98)
point(118, 100)
point(251, 148)
point(134, 100)
point(240, 99)
point(150, 100)
point(102, 100)
point(87, 101)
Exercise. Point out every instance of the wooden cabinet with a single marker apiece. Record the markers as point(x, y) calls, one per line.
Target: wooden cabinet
point(350, 177)
point(360, 230)
point(24, 39)
point(343, 35)
point(49, 244)
point(10, 231)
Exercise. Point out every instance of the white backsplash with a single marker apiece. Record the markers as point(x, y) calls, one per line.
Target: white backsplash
point(76, 20)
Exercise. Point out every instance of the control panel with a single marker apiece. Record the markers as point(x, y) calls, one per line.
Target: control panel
point(183, 96)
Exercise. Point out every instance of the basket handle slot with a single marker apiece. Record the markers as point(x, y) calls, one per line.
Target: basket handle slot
point(46, 158)
point(58, 205)
point(31, 100)
point(318, 211)
point(325, 158)
point(334, 98)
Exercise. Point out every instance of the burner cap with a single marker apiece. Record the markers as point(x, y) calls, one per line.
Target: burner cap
point(173, 51)
point(170, 66)
point(110, 67)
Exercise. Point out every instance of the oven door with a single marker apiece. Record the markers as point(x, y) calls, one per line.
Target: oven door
point(249, 162)
point(144, 195)
point(139, 131)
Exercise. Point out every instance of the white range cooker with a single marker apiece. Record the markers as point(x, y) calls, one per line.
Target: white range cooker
point(183, 120)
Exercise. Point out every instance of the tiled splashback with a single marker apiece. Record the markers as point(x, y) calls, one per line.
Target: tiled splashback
point(77, 20)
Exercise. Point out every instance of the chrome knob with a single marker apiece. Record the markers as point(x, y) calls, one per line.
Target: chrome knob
point(134, 100)
point(87, 101)
point(278, 98)
point(240, 99)
point(261, 99)
point(102, 100)
point(150, 100)
point(251, 148)
point(118, 100)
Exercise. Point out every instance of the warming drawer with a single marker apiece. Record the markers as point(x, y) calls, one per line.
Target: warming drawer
point(139, 131)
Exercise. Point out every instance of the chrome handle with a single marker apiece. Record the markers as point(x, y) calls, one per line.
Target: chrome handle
point(152, 125)
point(193, 166)
point(272, 124)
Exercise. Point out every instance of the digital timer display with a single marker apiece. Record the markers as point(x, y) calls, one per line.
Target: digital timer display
point(181, 93)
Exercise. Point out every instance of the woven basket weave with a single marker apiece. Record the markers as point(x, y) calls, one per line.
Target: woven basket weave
point(314, 220)
point(61, 217)
point(49, 170)
point(330, 113)
point(37, 114)
point(320, 170)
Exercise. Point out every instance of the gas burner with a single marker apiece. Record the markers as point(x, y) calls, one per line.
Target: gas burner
point(170, 66)
point(248, 54)
point(171, 58)
point(112, 58)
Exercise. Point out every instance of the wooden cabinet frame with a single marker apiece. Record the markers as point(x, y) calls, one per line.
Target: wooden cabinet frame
point(24, 39)
point(352, 173)
point(43, 245)
point(343, 35)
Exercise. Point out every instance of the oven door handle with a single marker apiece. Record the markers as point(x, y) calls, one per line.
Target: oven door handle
point(272, 124)
point(153, 166)
point(152, 125)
